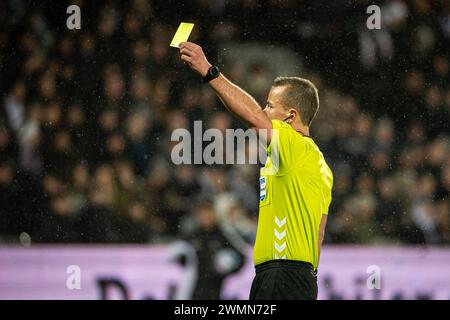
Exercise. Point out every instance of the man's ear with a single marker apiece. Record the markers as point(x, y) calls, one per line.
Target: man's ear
point(293, 114)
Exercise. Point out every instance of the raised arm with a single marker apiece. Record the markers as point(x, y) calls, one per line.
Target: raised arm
point(237, 101)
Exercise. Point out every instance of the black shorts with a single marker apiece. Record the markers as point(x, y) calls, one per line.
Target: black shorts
point(284, 280)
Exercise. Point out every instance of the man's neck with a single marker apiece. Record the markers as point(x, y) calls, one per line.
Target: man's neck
point(304, 130)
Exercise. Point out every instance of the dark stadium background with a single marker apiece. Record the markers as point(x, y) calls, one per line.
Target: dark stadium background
point(86, 117)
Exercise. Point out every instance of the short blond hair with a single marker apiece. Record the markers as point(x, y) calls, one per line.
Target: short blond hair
point(300, 94)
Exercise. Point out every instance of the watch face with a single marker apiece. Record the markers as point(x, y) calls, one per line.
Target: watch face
point(214, 71)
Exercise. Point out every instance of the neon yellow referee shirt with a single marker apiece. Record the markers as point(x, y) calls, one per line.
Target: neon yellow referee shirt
point(295, 190)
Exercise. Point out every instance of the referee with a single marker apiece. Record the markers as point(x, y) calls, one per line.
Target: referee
point(295, 190)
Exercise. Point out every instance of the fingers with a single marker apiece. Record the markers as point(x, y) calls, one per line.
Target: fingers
point(186, 58)
point(186, 51)
point(190, 45)
point(187, 44)
point(193, 55)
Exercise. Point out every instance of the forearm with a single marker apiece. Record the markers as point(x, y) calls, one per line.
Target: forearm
point(239, 102)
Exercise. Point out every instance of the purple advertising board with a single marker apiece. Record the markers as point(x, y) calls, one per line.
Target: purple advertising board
point(150, 272)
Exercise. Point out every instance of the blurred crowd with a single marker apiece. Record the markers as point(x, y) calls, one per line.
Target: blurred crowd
point(86, 117)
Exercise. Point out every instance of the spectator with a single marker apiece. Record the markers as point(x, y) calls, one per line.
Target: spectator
point(86, 118)
point(217, 258)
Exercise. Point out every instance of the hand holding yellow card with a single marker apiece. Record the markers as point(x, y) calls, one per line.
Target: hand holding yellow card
point(182, 34)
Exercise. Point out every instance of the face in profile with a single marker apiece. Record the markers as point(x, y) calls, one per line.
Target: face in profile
point(274, 109)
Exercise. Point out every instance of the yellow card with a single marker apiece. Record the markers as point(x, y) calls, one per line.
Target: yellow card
point(182, 34)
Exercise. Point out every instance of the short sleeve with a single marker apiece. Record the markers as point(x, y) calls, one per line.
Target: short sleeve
point(287, 147)
point(328, 192)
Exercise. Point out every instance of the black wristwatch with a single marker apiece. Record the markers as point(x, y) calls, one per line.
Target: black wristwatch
point(213, 72)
